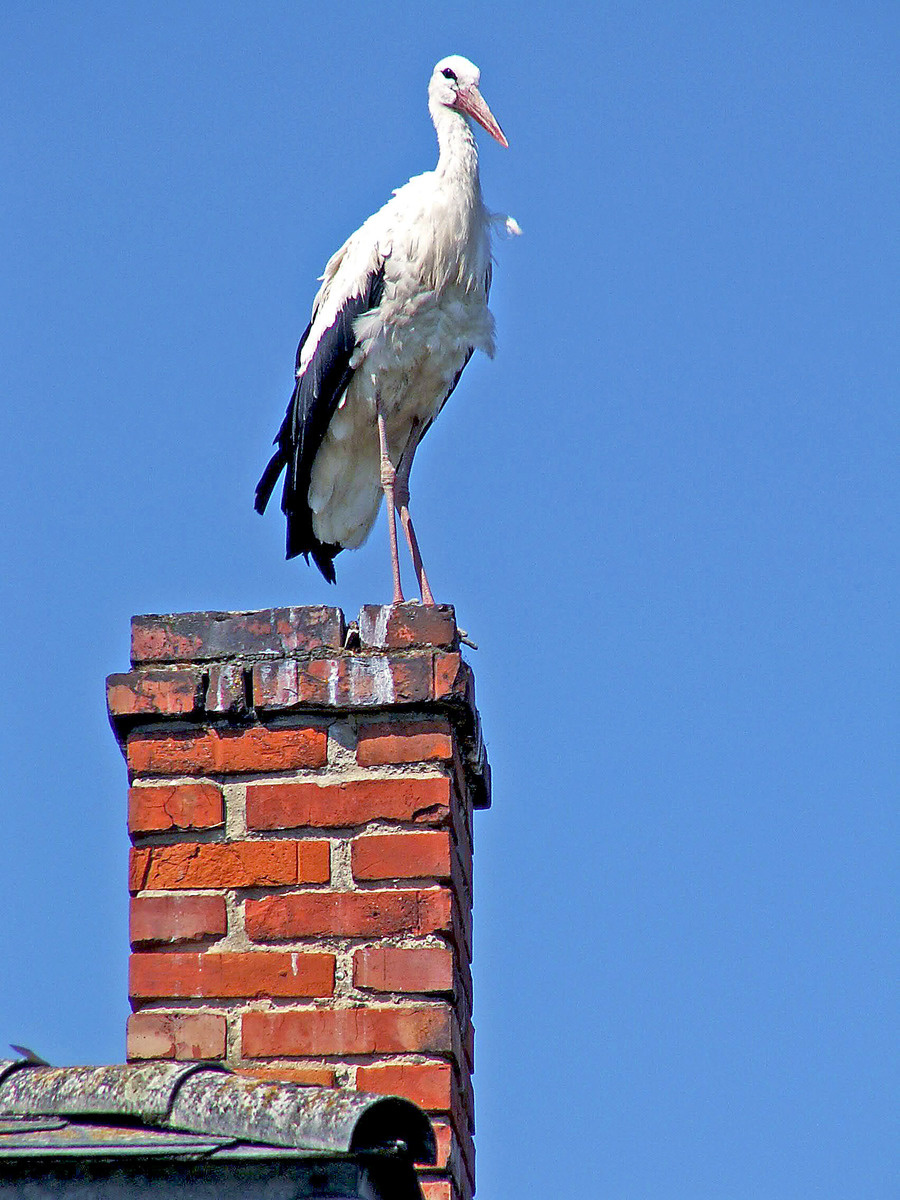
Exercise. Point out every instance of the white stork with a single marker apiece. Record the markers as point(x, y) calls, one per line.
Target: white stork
point(402, 307)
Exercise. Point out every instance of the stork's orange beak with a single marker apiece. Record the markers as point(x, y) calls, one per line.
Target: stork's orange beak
point(470, 101)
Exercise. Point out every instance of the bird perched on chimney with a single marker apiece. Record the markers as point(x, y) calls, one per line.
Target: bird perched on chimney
point(401, 310)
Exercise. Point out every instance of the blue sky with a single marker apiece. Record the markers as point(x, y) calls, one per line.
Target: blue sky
point(666, 512)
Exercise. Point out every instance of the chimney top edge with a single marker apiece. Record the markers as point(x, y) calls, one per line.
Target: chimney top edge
point(296, 631)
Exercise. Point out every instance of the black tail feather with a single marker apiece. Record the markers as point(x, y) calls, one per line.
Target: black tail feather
point(269, 478)
point(323, 554)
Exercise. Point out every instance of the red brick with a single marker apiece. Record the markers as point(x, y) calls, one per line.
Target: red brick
point(313, 861)
point(349, 914)
point(229, 864)
point(183, 1036)
point(400, 969)
point(404, 742)
point(162, 693)
point(211, 752)
point(338, 1031)
point(233, 975)
point(180, 637)
point(402, 855)
point(318, 1076)
point(401, 626)
point(168, 920)
point(292, 805)
point(176, 806)
point(430, 1085)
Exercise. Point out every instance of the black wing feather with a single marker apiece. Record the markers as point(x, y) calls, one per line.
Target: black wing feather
point(312, 405)
point(458, 376)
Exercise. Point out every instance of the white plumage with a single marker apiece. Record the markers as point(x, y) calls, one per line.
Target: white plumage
point(402, 306)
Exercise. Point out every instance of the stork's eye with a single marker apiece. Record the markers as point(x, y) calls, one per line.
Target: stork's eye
point(448, 74)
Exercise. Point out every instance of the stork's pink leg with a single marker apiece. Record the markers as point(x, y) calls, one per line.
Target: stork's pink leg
point(388, 478)
point(406, 521)
point(401, 499)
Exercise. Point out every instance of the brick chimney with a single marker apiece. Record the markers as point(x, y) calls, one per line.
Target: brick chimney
point(301, 875)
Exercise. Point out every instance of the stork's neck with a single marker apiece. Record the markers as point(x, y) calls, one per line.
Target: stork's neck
point(458, 158)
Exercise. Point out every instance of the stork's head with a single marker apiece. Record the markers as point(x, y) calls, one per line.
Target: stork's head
point(454, 84)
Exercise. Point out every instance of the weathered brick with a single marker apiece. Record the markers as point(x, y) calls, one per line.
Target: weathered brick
point(316, 1075)
point(333, 1031)
point(429, 1085)
point(463, 1108)
point(403, 969)
point(196, 637)
point(230, 751)
point(169, 920)
point(183, 1036)
point(226, 692)
point(159, 693)
point(462, 924)
point(463, 1008)
point(323, 681)
point(334, 805)
point(404, 742)
point(402, 855)
point(412, 678)
point(229, 864)
point(276, 684)
point(248, 975)
point(401, 626)
point(175, 806)
point(349, 914)
point(461, 875)
point(366, 680)
point(452, 678)
point(464, 981)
